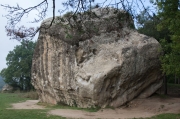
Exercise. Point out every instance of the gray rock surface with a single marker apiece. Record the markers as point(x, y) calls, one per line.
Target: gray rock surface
point(2, 83)
point(7, 88)
point(108, 68)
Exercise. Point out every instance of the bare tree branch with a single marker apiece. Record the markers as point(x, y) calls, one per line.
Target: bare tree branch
point(16, 14)
point(53, 14)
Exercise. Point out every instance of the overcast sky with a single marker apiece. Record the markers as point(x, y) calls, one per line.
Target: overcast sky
point(6, 44)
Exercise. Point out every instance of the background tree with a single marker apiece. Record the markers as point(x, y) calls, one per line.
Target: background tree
point(164, 26)
point(169, 13)
point(19, 61)
point(147, 24)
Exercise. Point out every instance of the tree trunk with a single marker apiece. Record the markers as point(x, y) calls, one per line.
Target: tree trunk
point(165, 85)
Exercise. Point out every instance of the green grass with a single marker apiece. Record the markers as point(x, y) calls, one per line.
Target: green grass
point(163, 116)
point(173, 85)
point(162, 96)
point(61, 106)
point(7, 98)
point(166, 116)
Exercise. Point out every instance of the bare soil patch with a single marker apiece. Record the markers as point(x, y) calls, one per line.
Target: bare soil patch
point(135, 109)
point(29, 104)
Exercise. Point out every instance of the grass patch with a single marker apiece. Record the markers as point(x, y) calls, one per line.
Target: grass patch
point(173, 85)
point(27, 114)
point(166, 116)
point(31, 95)
point(62, 106)
point(110, 107)
point(7, 98)
point(162, 96)
point(163, 116)
point(5, 102)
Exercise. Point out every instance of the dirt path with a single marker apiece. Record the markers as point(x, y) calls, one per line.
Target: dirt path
point(29, 104)
point(136, 108)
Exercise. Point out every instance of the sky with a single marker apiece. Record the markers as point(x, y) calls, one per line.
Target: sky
point(6, 44)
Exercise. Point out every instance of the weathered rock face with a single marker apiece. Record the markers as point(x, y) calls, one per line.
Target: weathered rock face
point(7, 88)
point(106, 68)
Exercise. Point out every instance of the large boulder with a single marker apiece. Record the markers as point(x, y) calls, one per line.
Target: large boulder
point(110, 67)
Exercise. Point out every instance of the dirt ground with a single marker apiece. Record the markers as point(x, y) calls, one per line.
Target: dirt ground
point(29, 104)
point(137, 108)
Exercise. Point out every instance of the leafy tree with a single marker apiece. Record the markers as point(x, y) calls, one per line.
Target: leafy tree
point(19, 61)
point(147, 24)
point(169, 13)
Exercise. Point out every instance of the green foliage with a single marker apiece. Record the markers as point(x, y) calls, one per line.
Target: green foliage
point(147, 24)
point(165, 27)
point(143, 18)
point(165, 116)
point(171, 58)
point(19, 61)
point(169, 13)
